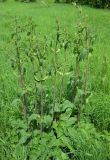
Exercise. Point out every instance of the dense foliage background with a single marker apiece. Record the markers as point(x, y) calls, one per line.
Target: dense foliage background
point(95, 3)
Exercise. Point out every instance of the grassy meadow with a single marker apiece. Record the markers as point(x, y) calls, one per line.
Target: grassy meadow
point(91, 141)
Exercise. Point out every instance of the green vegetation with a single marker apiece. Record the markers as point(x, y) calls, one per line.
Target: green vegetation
point(54, 82)
point(96, 3)
point(93, 3)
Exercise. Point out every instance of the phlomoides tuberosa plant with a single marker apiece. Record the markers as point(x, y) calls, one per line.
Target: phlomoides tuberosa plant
point(59, 49)
point(83, 48)
point(37, 58)
point(49, 105)
point(19, 60)
point(29, 51)
point(44, 101)
point(65, 43)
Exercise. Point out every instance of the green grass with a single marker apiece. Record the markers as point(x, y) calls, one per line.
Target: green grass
point(45, 17)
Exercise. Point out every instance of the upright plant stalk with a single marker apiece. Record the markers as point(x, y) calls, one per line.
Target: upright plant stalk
point(40, 67)
point(89, 48)
point(61, 87)
point(41, 64)
point(32, 49)
point(41, 96)
point(77, 46)
point(55, 65)
point(41, 58)
point(36, 56)
point(21, 70)
point(65, 45)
